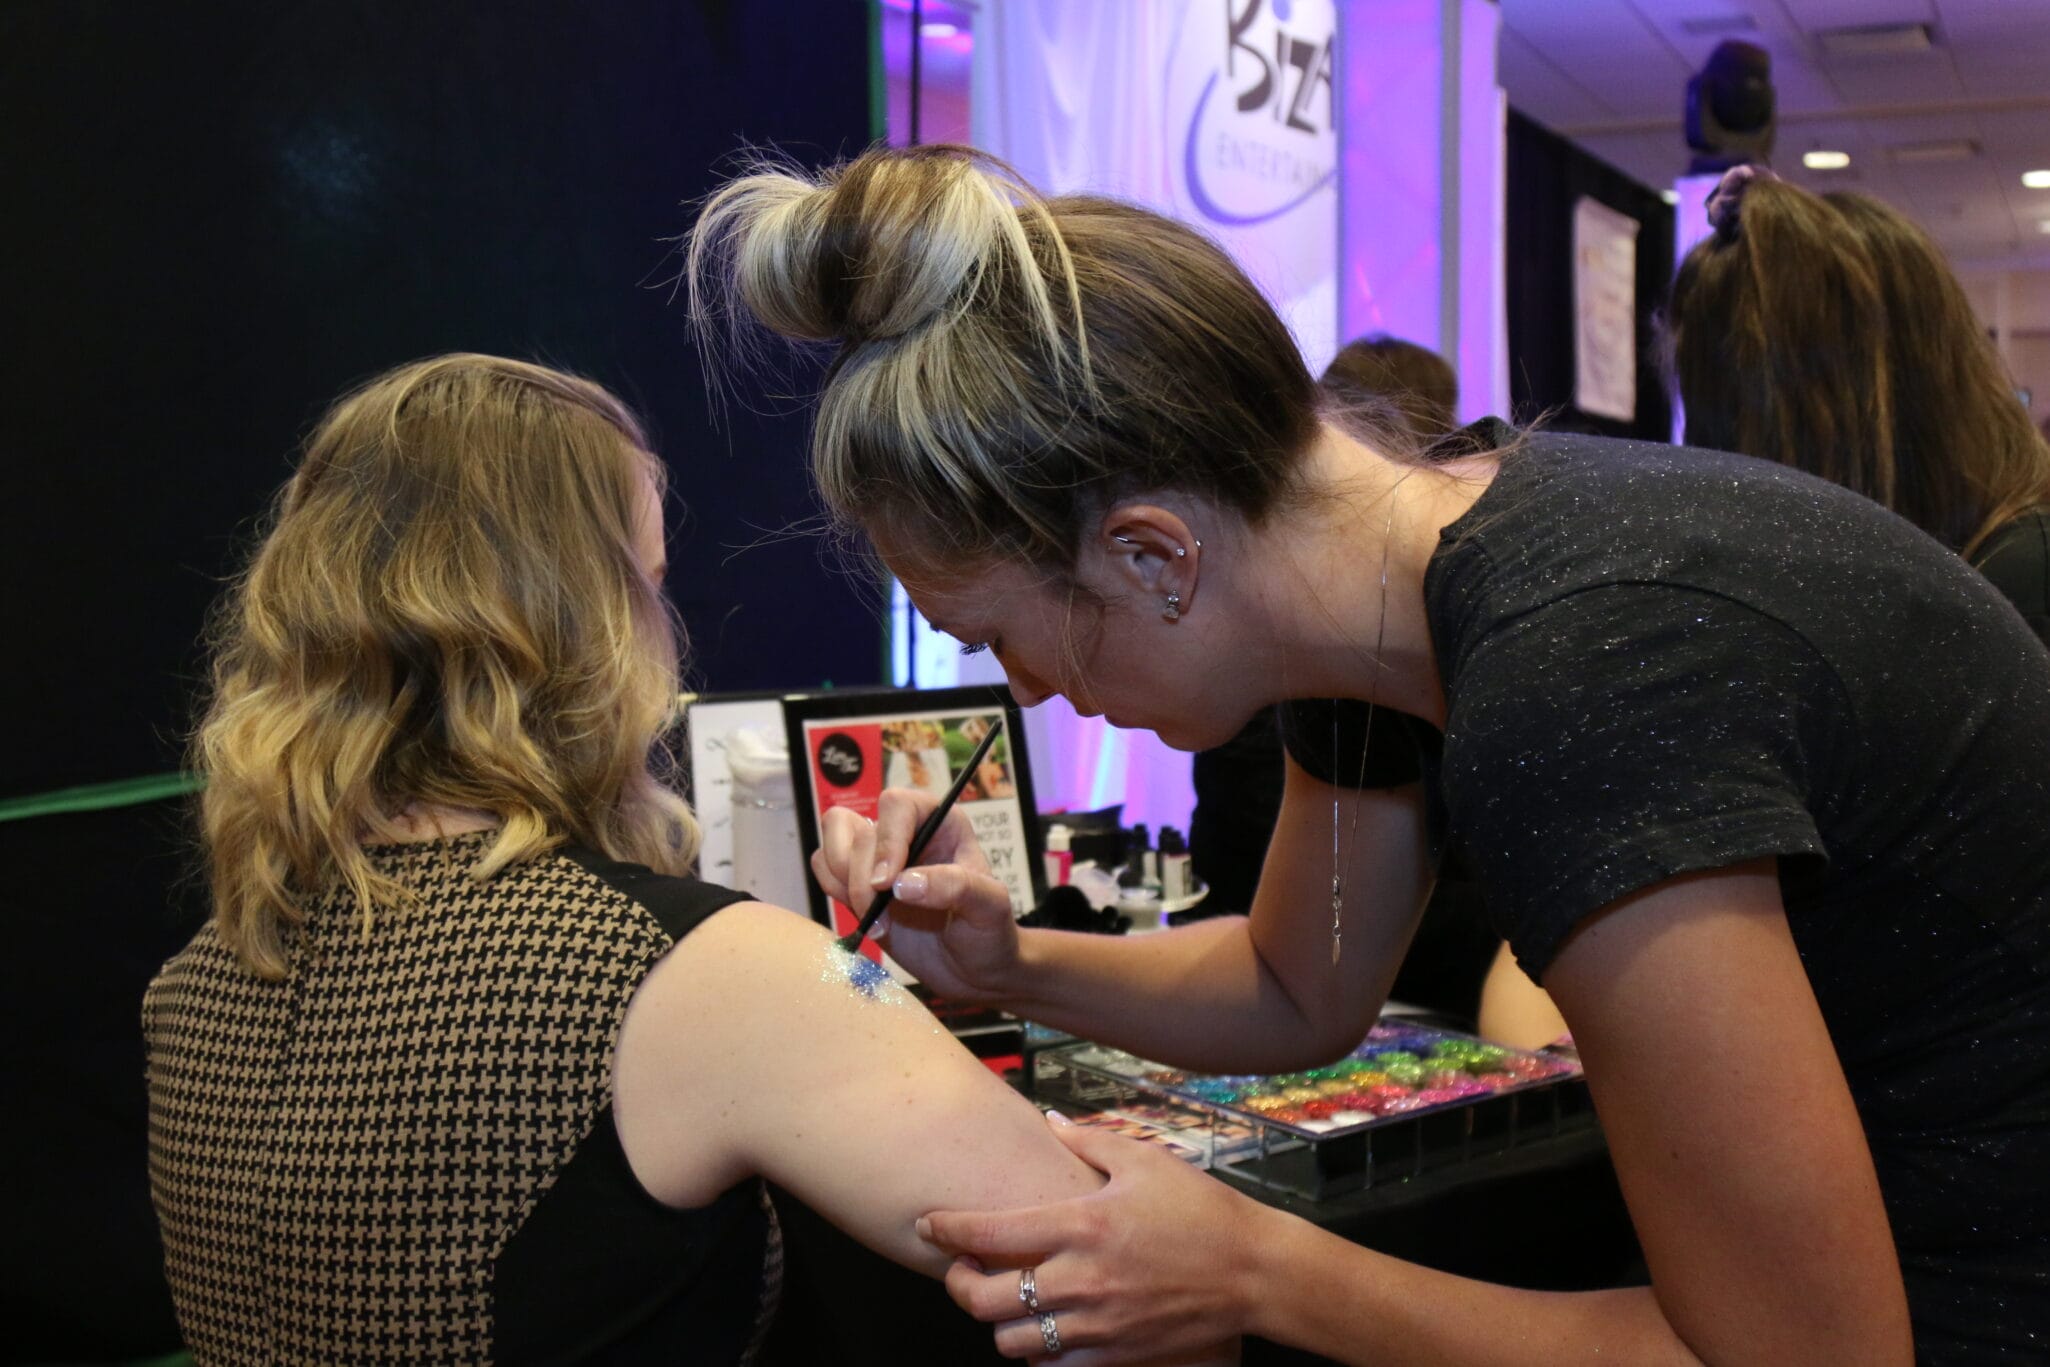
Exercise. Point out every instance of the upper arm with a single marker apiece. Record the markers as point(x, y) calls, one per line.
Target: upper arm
point(1734, 1136)
point(1386, 875)
point(747, 1051)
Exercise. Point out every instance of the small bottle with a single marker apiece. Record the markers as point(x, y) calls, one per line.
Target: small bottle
point(1174, 865)
point(1060, 858)
point(1132, 873)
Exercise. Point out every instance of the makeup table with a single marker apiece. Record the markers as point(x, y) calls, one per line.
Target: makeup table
point(1543, 1212)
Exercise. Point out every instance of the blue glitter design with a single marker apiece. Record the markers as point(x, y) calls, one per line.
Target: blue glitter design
point(868, 977)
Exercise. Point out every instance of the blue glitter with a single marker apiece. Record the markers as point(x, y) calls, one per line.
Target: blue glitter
point(867, 976)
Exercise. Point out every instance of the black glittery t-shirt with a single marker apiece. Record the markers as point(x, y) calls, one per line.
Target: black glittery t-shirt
point(1660, 660)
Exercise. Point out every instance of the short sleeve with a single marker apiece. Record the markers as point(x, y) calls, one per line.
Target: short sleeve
point(2017, 562)
point(1626, 735)
point(1393, 742)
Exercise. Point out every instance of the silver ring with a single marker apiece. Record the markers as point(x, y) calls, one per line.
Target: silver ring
point(1027, 1291)
point(1049, 1332)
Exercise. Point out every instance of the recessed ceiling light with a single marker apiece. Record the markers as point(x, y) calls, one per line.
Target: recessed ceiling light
point(1825, 161)
point(1709, 25)
point(1874, 40)
point(1670, 196)
point(2036, 180)
point(939, 30)
point(1929, 153)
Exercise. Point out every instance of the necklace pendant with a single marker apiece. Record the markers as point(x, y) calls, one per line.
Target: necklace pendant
point(1337, 903)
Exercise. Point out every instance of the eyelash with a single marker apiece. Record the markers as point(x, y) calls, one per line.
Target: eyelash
point(975, 648)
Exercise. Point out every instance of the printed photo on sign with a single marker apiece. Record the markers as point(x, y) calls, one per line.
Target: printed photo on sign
point(856, 746)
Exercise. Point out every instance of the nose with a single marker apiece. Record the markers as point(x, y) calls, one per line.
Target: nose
point(1026, 690)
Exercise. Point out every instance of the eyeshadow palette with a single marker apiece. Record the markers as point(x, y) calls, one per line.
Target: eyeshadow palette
point(1408, 1098)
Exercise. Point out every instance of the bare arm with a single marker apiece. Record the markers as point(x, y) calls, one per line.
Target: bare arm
point(1230, 995)
point(747, 1050)
point(1739, 1152)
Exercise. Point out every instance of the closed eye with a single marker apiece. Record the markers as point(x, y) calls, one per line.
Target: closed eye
point(974, 647)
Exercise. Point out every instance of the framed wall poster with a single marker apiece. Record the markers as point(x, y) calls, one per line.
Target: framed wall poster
point(854, 745)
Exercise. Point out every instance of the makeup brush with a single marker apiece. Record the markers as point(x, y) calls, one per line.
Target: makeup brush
point(922, 837)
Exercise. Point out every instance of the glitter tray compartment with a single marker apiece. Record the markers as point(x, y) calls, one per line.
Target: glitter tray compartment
point(1411, 1098)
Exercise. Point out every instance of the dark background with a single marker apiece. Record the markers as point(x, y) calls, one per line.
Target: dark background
point(222, 215)
point(1547, 177)
point(218, 217)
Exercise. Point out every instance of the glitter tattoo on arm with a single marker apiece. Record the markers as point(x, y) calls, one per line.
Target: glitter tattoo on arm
point(862, 976)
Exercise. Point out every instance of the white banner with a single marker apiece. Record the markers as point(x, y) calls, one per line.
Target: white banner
point(1215, 112)
point(1605, 310)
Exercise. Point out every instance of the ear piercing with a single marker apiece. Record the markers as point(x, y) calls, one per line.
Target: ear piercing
point(1173, 612)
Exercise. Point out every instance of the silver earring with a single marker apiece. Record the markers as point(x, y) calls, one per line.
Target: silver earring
point(1173, 612)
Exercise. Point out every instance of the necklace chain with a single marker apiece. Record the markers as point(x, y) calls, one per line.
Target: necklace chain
point(1366, 734)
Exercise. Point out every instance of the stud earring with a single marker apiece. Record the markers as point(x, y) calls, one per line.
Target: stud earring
point(1173, 612)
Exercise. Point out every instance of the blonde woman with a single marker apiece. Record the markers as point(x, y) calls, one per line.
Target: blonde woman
point(467, 1066)
point(1750, 771)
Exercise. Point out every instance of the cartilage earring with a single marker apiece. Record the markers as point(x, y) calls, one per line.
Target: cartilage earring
point(1180, 551)
point(1173, 612)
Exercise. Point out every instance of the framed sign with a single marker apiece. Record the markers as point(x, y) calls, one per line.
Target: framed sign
point(847, 748)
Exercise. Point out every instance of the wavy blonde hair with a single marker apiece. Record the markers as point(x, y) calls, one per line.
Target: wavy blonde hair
point(447, 608)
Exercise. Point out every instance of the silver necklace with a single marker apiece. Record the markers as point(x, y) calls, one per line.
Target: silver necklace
point(1366, 733)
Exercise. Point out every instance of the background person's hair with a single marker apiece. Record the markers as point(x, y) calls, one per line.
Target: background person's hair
point(446, 608)
point(1009, 365)
point(1827, 333)
point(1415, 383)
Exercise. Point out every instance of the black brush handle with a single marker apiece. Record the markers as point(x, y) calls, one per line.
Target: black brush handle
point(922, 837)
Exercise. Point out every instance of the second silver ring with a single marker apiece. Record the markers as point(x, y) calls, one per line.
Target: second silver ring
point(1027, 1291)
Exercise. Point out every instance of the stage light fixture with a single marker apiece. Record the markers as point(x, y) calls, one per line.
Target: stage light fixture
point(1730, 109)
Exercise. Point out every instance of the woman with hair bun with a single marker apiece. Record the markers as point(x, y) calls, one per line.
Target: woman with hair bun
point(1826, 332)
point(468, 1067)
point(1752, 775)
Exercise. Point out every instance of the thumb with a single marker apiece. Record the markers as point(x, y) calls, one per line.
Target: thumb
point(1108, 1153)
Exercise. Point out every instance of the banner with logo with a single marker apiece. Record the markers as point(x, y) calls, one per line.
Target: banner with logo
point(1216, 112)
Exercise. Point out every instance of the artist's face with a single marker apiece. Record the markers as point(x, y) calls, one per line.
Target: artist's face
point(1103, 645)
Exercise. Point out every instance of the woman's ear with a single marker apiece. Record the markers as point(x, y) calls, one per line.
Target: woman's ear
point(1150, 550)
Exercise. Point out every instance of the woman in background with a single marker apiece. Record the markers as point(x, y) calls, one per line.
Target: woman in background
point(1826, 332)
point(467, 1066)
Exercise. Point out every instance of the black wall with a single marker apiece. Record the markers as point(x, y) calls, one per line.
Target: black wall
point(1547, 177)
point(218, 215)
point(221, 214)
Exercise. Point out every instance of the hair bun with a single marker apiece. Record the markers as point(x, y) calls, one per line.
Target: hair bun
point(875, 248)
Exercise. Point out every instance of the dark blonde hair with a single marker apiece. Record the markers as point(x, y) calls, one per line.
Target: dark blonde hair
point(447, 608)
point(1826, 333)
point(1008, 365)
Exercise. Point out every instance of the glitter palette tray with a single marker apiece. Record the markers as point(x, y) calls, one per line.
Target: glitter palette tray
point(1409, 1099)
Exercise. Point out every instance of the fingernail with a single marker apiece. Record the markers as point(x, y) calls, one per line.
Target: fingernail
point(911, 886)
point(881, 927)
point(1056, 1118)
point(882, 873)
point(924, 1228)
